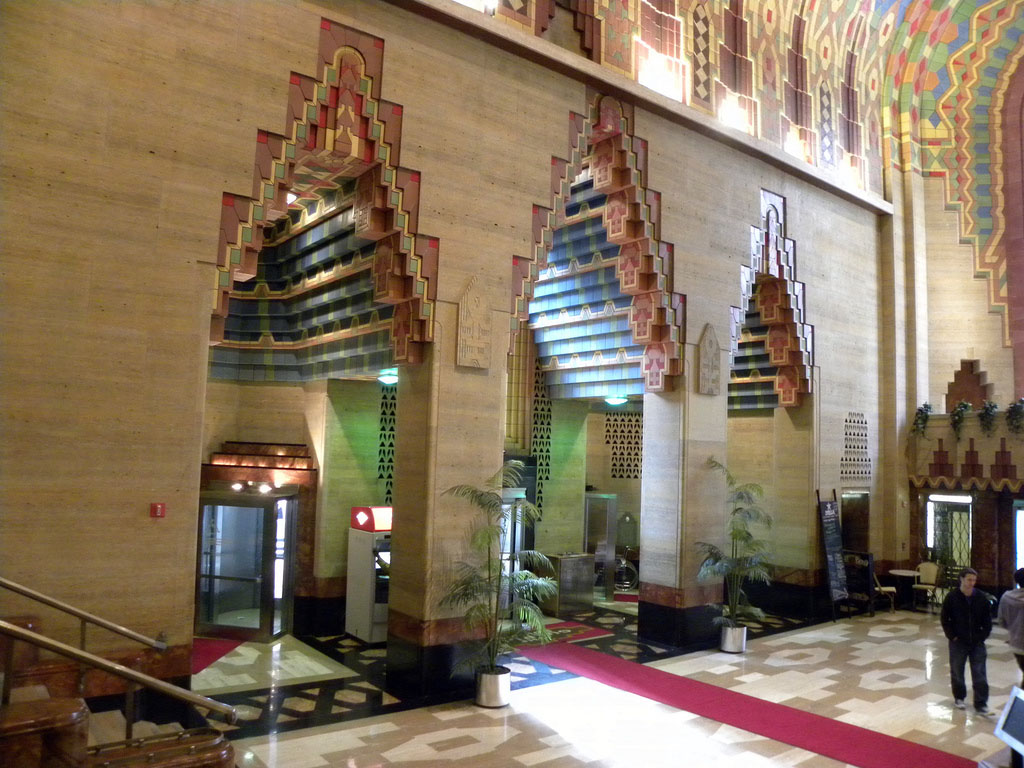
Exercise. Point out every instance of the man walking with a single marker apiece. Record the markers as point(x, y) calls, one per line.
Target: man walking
point(967, 622)
point(1011, 616)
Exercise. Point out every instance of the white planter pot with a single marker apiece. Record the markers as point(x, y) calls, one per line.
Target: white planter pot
point(493, 688)
point(734, 639)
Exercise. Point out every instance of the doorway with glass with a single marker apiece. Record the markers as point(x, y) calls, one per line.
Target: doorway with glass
point(245, 574)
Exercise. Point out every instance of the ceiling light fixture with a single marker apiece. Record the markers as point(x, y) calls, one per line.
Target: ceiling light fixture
point(616, 400)
point(388, 376)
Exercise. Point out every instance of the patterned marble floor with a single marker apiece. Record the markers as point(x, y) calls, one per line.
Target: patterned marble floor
point(290, 685)
point(258, 666)
point(887, 673)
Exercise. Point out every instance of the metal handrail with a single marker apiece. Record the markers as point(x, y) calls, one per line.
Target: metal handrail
point(159, 643)
point(113, 668)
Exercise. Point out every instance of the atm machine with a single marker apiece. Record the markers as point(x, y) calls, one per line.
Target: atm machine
point(369, 566)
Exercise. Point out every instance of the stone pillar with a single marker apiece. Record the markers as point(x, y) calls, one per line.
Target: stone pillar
point(682, 502)
point(903, 357)
point(343, 420)
point(449, 431)
point(561, 527)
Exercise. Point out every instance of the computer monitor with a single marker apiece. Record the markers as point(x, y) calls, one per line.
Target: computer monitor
point(1010, 727)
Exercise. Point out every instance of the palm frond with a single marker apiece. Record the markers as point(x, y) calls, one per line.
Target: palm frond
point(492, 588)
point(747, 556)
point(533, 560)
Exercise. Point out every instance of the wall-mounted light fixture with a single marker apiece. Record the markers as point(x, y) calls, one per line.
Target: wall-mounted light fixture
point(388, 376)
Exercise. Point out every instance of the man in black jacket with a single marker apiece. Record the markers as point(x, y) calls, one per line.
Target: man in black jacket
point(967, 622)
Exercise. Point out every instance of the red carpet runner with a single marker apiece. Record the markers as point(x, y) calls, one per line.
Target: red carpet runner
point(206, 650)
point(824, 736)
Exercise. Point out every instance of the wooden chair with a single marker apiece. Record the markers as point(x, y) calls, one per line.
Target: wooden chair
point(927, 578)
point(949, 579)
point(887, 592)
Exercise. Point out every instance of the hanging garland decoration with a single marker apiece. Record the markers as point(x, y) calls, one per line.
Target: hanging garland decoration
point(956, 418)
point(987, 417)
point(921, 419)
point(1015, 417)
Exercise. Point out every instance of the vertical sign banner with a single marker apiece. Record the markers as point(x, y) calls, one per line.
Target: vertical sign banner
point(832, 537)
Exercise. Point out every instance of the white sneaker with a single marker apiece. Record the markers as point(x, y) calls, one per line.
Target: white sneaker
point(983, 711)
point(959, 704)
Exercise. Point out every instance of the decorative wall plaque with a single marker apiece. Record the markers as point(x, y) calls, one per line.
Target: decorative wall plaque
point(710, 380)
point(474, 348)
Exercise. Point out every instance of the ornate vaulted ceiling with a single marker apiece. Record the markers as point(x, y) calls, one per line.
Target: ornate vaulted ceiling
point(948, 70)
point(853, 87)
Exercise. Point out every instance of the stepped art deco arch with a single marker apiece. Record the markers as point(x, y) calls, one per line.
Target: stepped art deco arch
point(602, 142)
point(340, 152)
point(769, 283)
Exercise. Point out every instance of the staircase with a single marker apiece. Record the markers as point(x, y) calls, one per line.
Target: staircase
point(110, 726)
point(194, 748)
point(54, 733)
point(37, 731)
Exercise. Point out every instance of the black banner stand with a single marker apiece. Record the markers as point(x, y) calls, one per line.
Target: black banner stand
point(832, 538)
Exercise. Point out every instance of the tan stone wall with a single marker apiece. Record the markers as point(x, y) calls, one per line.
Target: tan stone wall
point(960, 326)
point(122, 125)
point(599, 469)
point(263, 413)
point(710, 199)
point(561, 529)
point(141, 115)
point(352, 439)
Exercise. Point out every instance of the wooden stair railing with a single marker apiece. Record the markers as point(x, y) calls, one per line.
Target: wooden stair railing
point(136, 679)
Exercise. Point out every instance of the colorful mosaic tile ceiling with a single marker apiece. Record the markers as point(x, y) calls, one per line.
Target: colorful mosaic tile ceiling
point(948, 77)
point(830, 81)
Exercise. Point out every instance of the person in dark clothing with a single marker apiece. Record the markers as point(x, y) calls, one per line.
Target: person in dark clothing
point(967, 622)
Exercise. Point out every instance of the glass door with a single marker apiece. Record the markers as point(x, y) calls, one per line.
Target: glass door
point(948, 528)
point(242, 585)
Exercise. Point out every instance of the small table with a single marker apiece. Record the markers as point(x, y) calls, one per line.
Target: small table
point(905, 591)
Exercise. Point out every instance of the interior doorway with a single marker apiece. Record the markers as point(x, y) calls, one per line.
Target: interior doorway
point(244, 579)
point(856, 520)
point(948, 534)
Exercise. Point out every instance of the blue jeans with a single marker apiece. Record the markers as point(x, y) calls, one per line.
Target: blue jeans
point(959, 655)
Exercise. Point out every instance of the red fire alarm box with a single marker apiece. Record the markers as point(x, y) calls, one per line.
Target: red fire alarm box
point(371, 518)
point(158, 509)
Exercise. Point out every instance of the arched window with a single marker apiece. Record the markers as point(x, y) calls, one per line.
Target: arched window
point(849, 112)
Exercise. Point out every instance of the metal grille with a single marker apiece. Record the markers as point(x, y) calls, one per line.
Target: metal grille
point(953, 533)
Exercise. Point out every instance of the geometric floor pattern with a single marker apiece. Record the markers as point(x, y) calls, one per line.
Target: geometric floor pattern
point(888, 673)
point(356, 688)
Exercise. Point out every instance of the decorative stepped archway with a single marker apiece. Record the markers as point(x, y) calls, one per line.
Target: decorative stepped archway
point(772, 344)
point(322, 270)
point(598, 293)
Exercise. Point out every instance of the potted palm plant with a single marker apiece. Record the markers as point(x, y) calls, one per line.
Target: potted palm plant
point(746, 558)
point(498, 590)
